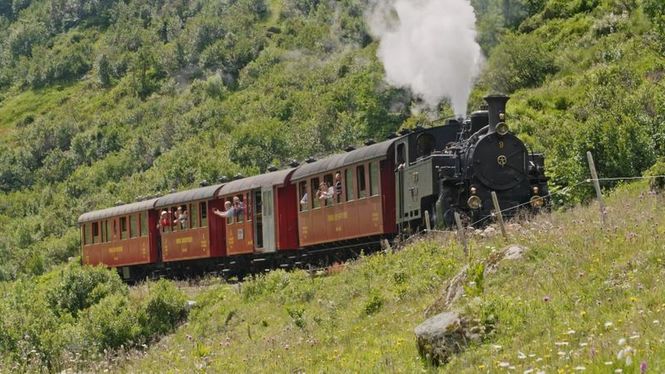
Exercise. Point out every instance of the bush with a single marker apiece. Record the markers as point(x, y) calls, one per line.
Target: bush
point(112, 323)
point(520, 61)
point(81, 287)
point(163, 309)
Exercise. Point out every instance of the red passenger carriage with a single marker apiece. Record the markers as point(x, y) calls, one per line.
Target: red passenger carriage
point(364, 206)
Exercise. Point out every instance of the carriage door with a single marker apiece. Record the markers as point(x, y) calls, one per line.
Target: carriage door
point(258, 220)
point(268, 220)
point(401, 162)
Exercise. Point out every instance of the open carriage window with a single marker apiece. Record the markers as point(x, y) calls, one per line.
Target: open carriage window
point(239, 208)
point(95, 232)
point(181, 218)
point(303, 196)
point(203, 206)
point(314, 187)
point(328, 190)
point(362, 188)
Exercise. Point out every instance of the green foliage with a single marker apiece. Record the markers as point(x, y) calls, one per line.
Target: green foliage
point(521, 61)
point(374, 304)
point(80, 312)
point(79, 288)
point(112, 323)
point(162, 309)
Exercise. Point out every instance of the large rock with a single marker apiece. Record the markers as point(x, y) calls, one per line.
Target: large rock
point(446, 334)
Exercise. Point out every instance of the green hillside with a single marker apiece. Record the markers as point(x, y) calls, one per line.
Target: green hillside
point(104, 101)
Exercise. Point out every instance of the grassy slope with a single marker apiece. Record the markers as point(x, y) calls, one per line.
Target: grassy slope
point(577, 293)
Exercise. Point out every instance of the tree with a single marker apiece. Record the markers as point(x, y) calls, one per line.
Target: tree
point(104, 70)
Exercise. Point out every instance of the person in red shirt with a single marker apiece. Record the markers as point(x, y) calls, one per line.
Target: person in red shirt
point(164, 220)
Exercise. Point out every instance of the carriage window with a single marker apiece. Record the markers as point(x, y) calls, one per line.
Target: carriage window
point(239, 208)
point(175, 225)
point(106, 237)
point(204, 213)
point(86, 233)
point(374, 178)
point(123, 228)
point(229, 217)
point(329, 190)
point(362, 188)
point(316, 203)
point(194, 216)
point(115, 229)
point(95, 232)
point(181, 218)
point(144, 223)
point(304, 196)
point(348, 180)
point(133, 226)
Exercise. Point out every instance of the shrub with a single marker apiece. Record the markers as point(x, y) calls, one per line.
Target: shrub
point(520, 61)
point(374, 304)
point(81, 287)
point(163, 309)
point(112, 323)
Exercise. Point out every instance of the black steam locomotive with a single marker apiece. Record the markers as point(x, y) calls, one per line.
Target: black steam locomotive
point(455, 167)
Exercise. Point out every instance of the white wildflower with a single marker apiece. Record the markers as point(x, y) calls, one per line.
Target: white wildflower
point(580, 368)
point(521, 355)
point(583, 344)
point(609, 363)
point(497, 347)
point(655, 321)
point(528, 371)
point(504, 364)
point(618, 371)
point(608, 324)
point(634, 337)
point(571, 332)
point(622, 341)
point(561, 344)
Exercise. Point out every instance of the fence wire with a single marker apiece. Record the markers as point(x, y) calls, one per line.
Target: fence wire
point(589, 180)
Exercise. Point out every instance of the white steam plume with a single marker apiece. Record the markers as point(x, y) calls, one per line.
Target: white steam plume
point(428, 46)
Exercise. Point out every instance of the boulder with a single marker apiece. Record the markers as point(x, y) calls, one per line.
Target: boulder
point(446, 334)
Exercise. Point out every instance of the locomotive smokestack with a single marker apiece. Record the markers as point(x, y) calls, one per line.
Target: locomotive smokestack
point(496, 107)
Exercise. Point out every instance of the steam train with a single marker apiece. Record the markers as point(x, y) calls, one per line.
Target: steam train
point(281, 219)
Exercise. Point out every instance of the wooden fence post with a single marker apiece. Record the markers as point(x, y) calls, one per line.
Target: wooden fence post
point(460, 233)
point(596, 185)
point(499, 215)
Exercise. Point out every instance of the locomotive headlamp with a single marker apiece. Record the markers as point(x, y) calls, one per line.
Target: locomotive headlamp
point(502, 116)
point(502, 128)
point(474, 202)
point(536, 201)
point(473, 190)
point(535, 190)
